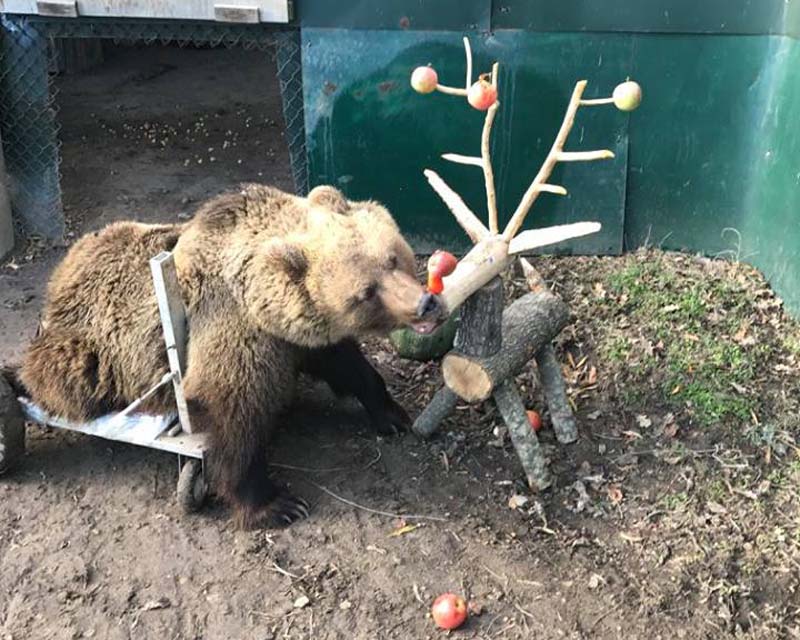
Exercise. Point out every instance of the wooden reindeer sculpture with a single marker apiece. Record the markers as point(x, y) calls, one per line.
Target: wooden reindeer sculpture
point(493, 345)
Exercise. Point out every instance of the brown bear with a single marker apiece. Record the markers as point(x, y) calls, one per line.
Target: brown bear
point(273, 284)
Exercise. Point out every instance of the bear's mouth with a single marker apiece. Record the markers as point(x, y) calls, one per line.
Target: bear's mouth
point(425, 327)
point(430, 314)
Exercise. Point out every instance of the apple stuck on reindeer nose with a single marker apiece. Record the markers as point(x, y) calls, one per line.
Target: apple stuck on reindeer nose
point(440, 265)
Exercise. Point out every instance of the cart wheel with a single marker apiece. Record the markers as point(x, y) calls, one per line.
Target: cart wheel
point(12, 428)
point(192, 486)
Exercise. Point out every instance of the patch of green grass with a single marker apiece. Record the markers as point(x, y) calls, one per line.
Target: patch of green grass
point(716, 491)
point(709, 404)
point(791, 342)
point(675, 501)
point(701, 366)
point(618, 350)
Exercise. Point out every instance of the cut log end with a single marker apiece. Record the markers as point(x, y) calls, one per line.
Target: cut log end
point(528, 324)
point(473, 382)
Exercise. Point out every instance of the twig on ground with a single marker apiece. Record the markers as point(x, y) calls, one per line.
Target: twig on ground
point(277, 569)
point(403, 516)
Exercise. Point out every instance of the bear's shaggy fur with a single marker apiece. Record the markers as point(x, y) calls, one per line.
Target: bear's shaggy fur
point(273, 285)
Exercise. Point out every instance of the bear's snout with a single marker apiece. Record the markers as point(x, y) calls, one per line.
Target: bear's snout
point(429, 307)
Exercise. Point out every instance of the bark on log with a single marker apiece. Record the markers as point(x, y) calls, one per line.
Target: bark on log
point(440, 406)
point(529, 323)
point(480, 327)
point(555, 393)
point(522, 436)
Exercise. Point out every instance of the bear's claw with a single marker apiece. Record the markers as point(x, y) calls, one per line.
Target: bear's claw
point(393, 419)
point(287, 509)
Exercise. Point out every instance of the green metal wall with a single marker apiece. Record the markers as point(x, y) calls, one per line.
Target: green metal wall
point(715, 144)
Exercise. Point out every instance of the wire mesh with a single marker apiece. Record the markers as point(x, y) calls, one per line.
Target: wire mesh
point(29, 128)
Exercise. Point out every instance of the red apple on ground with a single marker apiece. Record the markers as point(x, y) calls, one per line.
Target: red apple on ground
point(449, 611)
point(424, 79)
point(535, 419)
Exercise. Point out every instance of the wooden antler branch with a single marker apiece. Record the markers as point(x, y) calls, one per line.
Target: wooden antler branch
point(488, 173)
point(494, 251)
point(455, 91)
point(535, 238)
point(462, 213)
point(556, 154)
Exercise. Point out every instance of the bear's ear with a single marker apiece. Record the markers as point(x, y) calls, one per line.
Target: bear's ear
point(288, 256)
point(329, 198)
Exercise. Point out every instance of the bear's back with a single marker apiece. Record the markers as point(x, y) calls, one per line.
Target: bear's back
point(106, 274)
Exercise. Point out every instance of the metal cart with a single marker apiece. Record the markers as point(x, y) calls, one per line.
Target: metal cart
point(171, 432)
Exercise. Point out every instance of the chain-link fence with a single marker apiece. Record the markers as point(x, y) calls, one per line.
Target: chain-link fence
point(28, 126)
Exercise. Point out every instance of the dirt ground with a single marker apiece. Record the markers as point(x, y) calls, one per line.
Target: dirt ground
point(675, 515)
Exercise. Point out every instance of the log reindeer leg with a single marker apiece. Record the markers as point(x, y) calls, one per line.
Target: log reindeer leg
point(482, 364)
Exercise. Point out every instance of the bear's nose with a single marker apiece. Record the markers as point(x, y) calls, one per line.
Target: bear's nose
point(429, 307)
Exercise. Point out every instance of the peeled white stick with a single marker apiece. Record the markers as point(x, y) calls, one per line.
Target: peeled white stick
point(548, 165)
point(459, 159)
point(462, 213)
point(534, 238)
point(468, 52)
point(486, 260)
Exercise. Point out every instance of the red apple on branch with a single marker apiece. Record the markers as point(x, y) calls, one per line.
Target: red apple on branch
point(482, 94)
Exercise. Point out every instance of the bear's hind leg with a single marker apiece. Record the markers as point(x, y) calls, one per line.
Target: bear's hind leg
point(64, 374)
point(348, 373)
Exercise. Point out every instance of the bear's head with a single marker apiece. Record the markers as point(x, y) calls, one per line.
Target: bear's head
point(347, 273)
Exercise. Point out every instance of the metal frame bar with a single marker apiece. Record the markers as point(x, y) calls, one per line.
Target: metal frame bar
point(173, 323)
point(149, 431)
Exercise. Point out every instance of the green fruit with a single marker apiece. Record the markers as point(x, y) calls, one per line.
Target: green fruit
point(627, 96)
point(416, 346)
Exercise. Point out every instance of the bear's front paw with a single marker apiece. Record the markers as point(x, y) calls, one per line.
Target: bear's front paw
point(393, 419)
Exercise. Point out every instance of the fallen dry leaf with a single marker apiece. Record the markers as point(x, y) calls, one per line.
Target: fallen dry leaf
point(301, 602)
point(161, 603)
point(614, 493)
point(596, 580)
point(715, 507)
point(628, 537)
point(671, 430)
point(403, 530)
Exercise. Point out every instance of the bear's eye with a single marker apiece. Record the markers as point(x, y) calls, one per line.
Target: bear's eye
point(369, 293)
point(392, 264)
